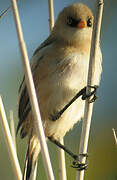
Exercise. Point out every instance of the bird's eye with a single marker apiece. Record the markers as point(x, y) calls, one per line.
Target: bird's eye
point(71, 22)
point(89, 22)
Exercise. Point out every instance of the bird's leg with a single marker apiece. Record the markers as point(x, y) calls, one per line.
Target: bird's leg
point(76, 163)
point(82, 93)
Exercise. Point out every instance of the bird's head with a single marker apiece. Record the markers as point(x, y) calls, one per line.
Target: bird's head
point(74, 24)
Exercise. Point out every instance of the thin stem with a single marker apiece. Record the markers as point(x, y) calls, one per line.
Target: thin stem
point(115, 136)
point(32, 94)
point(12, 127)
point(62, 166)
point(51, 14)
point(9, 142)
point(89, 106)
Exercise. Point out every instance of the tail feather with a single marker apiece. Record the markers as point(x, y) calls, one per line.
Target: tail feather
point(31, 158)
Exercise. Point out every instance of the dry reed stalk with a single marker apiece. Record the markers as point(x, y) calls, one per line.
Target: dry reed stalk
point(9, 142)
point(32, 94)
point(62, 166)
point(51, 14)
point(115, 136)
point(89, 106)
point(12, 127)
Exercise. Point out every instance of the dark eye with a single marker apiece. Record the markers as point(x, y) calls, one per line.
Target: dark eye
point(89, 22)
point(72, 22)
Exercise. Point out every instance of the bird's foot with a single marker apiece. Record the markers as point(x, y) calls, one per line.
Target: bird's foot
point(92, 93)
point(79, 165)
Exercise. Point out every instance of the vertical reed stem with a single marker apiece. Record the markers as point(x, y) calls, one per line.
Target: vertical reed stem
point(9, 142)
point(62, 166)
point(12, 127)
point(89, 106)
point(32, 94)
point(51, 14)
point(115, 136)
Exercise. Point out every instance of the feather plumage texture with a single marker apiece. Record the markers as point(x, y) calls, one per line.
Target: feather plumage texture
point(60, 69)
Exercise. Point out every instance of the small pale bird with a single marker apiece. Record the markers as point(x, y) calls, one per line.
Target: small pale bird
point(60, 70)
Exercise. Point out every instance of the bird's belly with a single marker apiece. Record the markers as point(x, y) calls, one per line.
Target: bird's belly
point(60, 96)
point(58, 128)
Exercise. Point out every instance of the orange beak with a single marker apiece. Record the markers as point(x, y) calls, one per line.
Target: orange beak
point(81, 24)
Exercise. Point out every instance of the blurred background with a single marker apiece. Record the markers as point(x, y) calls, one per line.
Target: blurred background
point(102, 150)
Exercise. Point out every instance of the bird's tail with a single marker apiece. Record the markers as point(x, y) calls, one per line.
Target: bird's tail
point(31, 158)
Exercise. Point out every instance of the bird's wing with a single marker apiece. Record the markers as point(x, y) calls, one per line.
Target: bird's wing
point(47, 42)
point(24, 106)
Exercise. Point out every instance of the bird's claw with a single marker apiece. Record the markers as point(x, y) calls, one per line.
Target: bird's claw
point(79, 165)
point(92, 93)
point(93, 98)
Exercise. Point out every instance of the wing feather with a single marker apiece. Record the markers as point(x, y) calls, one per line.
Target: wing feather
point(24, 106)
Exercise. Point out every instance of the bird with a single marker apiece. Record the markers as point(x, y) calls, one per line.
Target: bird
point(60, 70)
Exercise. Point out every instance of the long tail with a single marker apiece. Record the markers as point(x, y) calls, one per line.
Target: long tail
point(31, 158)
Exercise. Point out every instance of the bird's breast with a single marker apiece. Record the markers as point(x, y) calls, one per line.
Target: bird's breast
point(72, 70)
point(68, 77)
